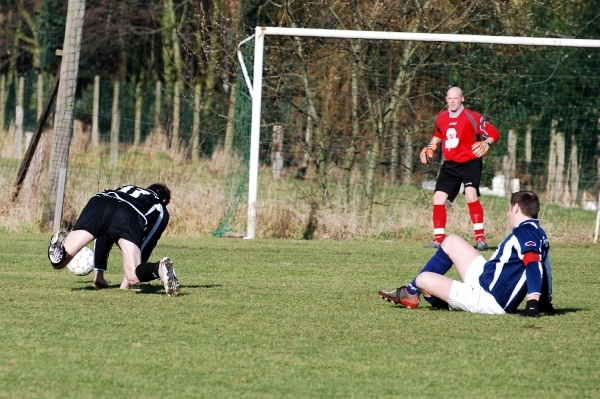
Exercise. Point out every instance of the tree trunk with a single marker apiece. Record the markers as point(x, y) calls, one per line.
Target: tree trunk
point(211, 75)
point(351, 152)
point(307, 145)
point(321, 157)
point(394, 147)
point(176, 70)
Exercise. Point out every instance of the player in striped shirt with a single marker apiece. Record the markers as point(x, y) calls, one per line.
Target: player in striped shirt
point(519, 269)
point(132, 217)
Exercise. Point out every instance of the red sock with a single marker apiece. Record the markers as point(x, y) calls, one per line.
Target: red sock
point(439, 222)
point(476, 212)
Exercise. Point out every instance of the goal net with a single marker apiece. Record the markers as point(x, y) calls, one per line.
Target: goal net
point(329, 125)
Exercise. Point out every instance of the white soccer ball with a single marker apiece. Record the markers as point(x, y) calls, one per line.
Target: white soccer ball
point(83, 263)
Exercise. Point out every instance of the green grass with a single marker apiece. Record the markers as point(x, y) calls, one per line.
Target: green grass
point(284, 319)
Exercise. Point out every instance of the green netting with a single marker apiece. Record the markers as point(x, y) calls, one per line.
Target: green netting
point(236, 186)
point(354, 115)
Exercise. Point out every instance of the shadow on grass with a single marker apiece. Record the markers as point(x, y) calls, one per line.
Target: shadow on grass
point(145, 288)
point(159, 289)
point(559, 312)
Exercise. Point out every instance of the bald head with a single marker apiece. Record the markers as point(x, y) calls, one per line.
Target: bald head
point(454, 98)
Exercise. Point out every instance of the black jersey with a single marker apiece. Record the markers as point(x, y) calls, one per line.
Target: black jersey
point(147, 204)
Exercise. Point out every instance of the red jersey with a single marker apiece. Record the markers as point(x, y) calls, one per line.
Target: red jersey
point(459, 131)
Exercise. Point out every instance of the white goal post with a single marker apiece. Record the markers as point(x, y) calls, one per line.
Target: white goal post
point(255, 86)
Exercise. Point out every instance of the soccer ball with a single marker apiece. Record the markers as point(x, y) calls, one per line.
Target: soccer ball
point(83, 263)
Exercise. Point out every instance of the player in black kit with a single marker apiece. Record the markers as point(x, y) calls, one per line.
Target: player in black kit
point(132, 217)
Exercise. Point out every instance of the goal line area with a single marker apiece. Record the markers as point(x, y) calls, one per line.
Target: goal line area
point(328, 126)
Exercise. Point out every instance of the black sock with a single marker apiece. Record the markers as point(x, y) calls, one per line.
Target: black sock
point(436, 302)
point(147, 271)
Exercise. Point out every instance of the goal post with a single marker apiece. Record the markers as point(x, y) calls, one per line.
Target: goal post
point(388, 104)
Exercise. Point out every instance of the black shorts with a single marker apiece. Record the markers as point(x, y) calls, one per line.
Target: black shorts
point(453, 174)
point(113, 218)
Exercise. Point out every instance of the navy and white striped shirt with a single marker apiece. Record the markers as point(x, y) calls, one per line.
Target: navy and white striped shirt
point(504, 274)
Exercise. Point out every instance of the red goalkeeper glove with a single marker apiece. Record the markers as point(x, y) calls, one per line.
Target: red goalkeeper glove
point(480, 148)
point(427, 153)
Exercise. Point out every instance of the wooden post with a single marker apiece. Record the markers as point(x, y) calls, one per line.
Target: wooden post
point(551, 177)
point(406, 156)
point(65, 104)
point(276, 148)
point(196, 123)
point(597, 152)
point(176, 118)
point(572, 184)
point(157, 105)
point(95, 112)
point(528, 148)
point(560, 166)
point(19, 119)
point(137, 129)
point(40, 95)
point(597, 220)
point(114, 128)
point(509, 162)
point(229, 129)
point(3, 95)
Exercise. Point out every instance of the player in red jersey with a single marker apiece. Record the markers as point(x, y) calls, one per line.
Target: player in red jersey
point(465, 137)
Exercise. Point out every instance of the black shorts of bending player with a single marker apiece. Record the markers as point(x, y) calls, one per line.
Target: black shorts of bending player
point(454, 174)
point(108, 216)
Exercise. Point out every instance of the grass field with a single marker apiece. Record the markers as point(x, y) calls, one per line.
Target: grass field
point(284, 319)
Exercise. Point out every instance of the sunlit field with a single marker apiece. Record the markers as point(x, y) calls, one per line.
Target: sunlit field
point(284, 319)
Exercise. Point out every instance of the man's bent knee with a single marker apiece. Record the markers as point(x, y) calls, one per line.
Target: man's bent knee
point(424, 280)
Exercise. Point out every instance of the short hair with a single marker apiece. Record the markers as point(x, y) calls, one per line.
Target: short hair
point(163, 192)
point(528, 202)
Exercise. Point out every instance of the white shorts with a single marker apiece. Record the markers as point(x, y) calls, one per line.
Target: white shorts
point(470, 296)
